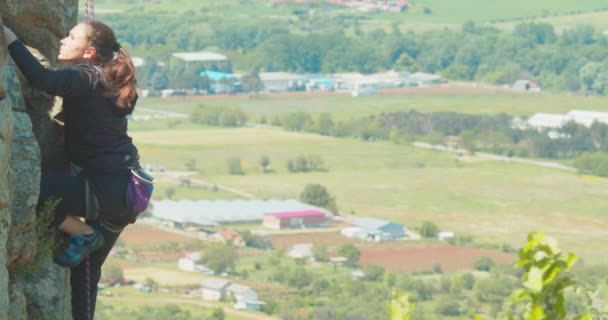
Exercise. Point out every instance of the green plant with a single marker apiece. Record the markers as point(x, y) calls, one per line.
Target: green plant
point(545, 279)
point(400, 306)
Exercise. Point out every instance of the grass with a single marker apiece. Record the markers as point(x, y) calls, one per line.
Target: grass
point(161, 191)
point(493, 201)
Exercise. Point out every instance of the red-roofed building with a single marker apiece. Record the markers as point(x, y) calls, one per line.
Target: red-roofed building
point(295, 219)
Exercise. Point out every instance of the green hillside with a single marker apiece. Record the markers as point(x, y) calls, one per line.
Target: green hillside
point(441, 11)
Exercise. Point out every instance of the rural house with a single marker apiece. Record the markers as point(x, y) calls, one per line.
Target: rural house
point(301, 251)
point(214, 289)
point(379, 230)
point(245, 297)
point(295, 219)
point(189, 262)
point(229, 236)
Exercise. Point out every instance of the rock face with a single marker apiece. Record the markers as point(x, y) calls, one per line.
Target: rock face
point(41, 24)
point(31, 285)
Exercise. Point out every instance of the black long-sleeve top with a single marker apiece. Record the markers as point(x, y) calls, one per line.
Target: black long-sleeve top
point(95, 128)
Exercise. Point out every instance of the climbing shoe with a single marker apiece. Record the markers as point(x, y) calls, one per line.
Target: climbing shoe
point(79, 247)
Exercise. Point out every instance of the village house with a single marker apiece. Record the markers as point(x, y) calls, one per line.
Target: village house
point(244, 297)
point(301, 251)
point(229, 236)
point(189, 262)
point(214, 289)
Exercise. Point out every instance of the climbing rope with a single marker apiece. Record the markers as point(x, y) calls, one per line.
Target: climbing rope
point(89, 4)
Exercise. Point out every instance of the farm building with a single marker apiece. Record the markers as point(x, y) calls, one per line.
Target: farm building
point(302, 251)
point(554, 121)
point(587, 118)
point(189, 262)
point(222, 82)
point(246, 298)
point(282, 81)
point(526, 85)
point(547, 120)
point(214, 289)
point(200, 60)
point(378, 230)
point(295, 219)
point(186, 213)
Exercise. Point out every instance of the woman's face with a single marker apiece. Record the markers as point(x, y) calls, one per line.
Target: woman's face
point(76, 48)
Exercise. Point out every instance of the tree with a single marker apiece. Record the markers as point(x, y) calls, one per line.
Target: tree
point(217, 314)
point(484, 264)
point(264, 162)
point(220, 258)
point(252, 82)
point(429, 229)
point(151, 283)
point(468, 280)
point(317, 195)
point(351, 253)
point(373, 273)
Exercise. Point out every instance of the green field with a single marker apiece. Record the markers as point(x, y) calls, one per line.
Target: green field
point(444, 13)
point(346, 107)
point(114, 303)
point(498, 202)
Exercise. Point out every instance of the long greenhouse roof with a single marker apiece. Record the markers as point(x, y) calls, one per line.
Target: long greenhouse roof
point(206, 212)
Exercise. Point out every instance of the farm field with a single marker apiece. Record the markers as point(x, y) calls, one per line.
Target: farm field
point(346, 107)
point(442, 11)
point(493, 201)
point(401, 256)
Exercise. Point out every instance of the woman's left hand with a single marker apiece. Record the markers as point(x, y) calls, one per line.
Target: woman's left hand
point(9, 35)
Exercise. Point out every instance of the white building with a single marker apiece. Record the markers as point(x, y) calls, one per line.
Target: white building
point(214, 289)
point(301, 250)
point(245, 297)
point(547, 120)
point(189, 262)
point(282, 81)
point(444, 235)
point(188, 213)
point(587, 118)
point(203, 56)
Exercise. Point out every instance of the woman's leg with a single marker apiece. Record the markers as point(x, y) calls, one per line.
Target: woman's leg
point(73, 226)
point(85, 277)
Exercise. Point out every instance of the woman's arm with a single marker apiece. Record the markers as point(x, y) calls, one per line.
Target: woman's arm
point(9, 35)
point(65, 82)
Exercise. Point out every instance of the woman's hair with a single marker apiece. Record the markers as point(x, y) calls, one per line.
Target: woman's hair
point(115, 63)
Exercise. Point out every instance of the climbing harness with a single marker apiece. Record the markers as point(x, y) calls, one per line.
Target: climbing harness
point(89, 4)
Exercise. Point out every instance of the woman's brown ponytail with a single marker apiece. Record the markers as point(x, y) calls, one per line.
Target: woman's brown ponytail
point(115, 63)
